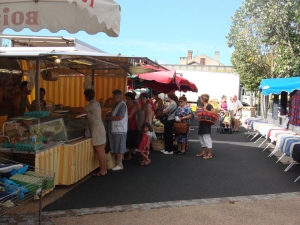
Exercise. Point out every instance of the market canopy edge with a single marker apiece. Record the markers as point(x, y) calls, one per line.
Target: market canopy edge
point(91, 16)
point(278, 85)
point(76, 62)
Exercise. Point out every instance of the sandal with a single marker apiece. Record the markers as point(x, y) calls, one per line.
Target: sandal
point(208, 157)
point(146, 163)
point(181, 153)
point(97, 175)
point(201, 155)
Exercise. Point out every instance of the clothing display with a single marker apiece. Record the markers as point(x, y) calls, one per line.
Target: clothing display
point(6, 168)
point(275, 107)
point(294, 112)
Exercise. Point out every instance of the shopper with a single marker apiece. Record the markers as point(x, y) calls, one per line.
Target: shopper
point(184, 113)
point(97, 129)
point(117, 129)
point(168, 129)
point(131, 141)
point(145, 113)
point(237, 107)
point(144, 146)
point(205, 130)
point(159, 106)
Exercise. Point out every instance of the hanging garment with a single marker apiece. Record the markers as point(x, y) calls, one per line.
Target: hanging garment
point(283, 103)
point(294, 112)
point(275, 107)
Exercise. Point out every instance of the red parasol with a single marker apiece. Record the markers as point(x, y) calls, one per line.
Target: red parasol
point(185, 85)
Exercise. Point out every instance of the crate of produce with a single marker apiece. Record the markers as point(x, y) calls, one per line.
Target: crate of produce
point(28, 146)
point(38, 114)
point(158, 145)
point(30, 182)
point(48, 181)
point(8, 145)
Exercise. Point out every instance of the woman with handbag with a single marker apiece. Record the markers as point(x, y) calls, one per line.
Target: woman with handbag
point(183, 115)
point(205, 130)
point(169, 113)
point(117, 128)
point(93, 111)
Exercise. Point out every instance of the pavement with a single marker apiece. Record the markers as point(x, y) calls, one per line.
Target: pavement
point(240, 185)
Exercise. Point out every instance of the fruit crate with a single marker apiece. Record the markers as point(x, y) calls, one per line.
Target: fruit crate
point(32, 183)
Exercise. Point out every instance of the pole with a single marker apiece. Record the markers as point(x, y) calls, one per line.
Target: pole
point(93, 79)
point(40, 207)
point(37, 85)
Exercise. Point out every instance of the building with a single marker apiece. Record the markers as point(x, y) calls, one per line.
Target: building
point(202, 60)
point(201, 63)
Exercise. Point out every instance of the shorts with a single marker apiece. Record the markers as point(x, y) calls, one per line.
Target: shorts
point(205, 140)
point(237, 117)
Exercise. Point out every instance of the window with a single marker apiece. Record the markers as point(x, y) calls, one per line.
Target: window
point(202, 61)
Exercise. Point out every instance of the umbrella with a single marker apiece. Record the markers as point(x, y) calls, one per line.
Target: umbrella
point(91, 16)
point(162, 81)
point(185, 85)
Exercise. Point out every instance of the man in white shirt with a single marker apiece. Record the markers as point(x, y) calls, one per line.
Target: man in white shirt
point(236, 112)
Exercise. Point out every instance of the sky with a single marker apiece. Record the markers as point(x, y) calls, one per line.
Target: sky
point(164, 30)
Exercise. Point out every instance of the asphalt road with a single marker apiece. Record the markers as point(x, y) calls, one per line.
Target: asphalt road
point(238, 168)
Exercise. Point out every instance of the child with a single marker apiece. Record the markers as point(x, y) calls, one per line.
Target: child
point(144, 147)
point(227, 120)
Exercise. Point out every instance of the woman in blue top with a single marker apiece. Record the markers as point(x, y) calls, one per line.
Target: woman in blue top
point(184, 113)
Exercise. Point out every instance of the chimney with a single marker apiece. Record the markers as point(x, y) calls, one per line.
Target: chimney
point(190, 55)
point(217, 56)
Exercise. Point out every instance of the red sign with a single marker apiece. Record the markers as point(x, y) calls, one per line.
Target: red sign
point(8, 18)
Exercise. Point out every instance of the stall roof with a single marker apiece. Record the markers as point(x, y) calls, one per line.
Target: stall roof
point(73, 62)
point(278, 85)
point(23, 41)
point(55, 15)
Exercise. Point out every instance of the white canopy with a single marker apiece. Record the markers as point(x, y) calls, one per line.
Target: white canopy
point(91, 16)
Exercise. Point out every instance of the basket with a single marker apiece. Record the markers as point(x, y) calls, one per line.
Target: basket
point(110, 161)
point(158, 145)
point(207, 117)
point(181, 128)
point(158, 130)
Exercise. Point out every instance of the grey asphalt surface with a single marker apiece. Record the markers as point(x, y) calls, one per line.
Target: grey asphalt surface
point(275, 212)
point(238, 168)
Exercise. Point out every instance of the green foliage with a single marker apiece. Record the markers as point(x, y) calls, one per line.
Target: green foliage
point(266, 41)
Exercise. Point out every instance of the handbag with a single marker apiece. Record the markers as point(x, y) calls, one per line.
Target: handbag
point(87, 132)
point(181, 128)
point(164, 118)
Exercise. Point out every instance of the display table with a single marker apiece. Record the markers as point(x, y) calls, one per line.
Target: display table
point(71, 162)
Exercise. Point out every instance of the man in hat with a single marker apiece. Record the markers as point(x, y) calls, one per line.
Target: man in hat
point(236, 112)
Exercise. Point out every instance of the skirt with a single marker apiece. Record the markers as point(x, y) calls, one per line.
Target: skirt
point(117, 143)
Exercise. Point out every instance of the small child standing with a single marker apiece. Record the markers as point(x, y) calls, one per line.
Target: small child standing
point(227, 120)
point(144, 147)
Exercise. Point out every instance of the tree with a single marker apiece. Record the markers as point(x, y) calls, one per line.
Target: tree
point(252, 59)
point(279, 28)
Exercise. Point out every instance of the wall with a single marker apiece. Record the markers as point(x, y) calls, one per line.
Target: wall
point(219, 69)
point(69, 90)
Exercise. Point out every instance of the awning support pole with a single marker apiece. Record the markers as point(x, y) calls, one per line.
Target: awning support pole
point(37, 85)
point(93, 79)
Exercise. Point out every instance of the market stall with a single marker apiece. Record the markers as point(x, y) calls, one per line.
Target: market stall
point(59, 137)
point(284, 92)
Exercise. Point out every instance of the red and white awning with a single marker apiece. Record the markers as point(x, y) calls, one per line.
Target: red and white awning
point(91, 16)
